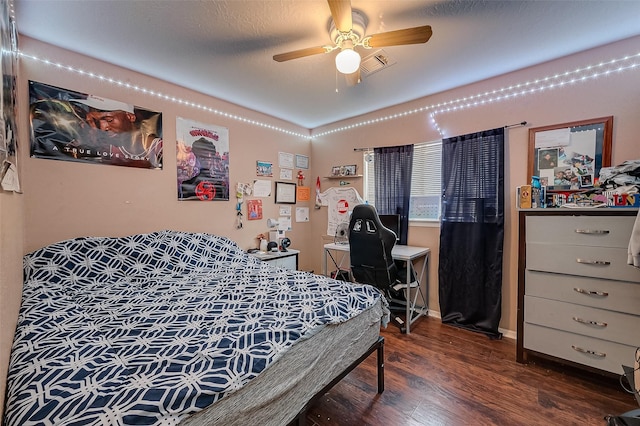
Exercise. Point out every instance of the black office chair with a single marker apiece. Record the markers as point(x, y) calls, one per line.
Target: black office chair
point(370, 245)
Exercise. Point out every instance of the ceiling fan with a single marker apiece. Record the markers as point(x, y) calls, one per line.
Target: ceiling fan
point(347, 32)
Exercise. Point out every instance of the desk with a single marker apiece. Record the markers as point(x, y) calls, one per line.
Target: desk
point(409, 254)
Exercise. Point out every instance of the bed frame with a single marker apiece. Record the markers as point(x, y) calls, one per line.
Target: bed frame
point(301, 418)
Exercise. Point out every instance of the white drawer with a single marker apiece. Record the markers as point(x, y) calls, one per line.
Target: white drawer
point(600, 354)
point(286, 262)
point(602, 262)
point(600, 293)
point(600, 231)
point(599, 323)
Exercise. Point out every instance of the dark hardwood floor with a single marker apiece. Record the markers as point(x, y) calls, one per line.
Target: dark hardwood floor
point(442, 375)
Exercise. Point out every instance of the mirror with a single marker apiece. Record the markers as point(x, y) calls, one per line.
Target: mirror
point(569, 156)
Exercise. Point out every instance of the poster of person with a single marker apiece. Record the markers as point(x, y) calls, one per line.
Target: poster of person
point(8, 40)
point(73, 126)
point(202, 160)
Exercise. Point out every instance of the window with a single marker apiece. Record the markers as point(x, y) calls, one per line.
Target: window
point(425, 181)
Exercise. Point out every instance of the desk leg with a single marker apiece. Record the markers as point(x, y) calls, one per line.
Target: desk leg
point(407, 296)
point(324, 267)
point(411, 302)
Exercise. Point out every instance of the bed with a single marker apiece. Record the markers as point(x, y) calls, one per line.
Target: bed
point(175, 327)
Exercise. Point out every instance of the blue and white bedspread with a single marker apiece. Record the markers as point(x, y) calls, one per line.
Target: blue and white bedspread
point(151, 328)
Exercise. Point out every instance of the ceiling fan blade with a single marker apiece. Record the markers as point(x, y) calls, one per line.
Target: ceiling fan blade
point(341, 14)
point(295, 54)
point(353, 78)
point(399, 37)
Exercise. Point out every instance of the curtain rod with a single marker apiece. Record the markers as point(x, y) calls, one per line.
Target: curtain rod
point(522, 123)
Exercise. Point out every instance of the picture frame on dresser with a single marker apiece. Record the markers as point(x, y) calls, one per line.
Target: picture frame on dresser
point(569, 156)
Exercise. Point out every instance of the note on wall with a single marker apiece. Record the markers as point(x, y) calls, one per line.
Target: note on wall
point(261, 188)
point(302, 214)
point(553, 138)
point(285, 160)
point(286, 174)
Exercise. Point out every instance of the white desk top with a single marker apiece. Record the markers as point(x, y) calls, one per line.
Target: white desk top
point(399, 252)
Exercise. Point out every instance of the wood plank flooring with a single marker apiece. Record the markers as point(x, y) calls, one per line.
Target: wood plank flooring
point(442, 375)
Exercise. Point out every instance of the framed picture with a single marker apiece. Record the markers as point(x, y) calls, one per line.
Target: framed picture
point(302, 161)
point(586, 181)
point(336, 170)
point(285, 193)
point(349, 170)
point(569, 156)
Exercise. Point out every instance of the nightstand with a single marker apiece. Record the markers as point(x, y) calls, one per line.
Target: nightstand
point(283, 259)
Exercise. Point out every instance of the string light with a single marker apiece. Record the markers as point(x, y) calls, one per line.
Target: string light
point(556, 81)
point(162, 96)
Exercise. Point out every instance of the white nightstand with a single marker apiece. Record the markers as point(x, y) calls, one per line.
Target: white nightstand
point(284, 259)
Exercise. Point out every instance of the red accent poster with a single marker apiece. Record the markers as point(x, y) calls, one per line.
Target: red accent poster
point(254, 209)
point(202, 160)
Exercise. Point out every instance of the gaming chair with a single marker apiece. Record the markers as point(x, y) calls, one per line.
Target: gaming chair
point(370, 245)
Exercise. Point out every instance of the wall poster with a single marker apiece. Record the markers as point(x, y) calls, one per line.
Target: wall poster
point(73, 126)
point(202, 160)
point(8, 40)
point(254, 209)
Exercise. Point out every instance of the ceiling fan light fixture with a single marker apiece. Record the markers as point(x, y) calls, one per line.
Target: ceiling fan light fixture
point(347, 61)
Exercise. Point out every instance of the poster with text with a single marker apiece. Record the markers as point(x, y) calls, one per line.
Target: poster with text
point(202, 160)
point(73, 126)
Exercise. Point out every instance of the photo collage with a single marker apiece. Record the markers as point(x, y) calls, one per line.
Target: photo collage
point(562, 170)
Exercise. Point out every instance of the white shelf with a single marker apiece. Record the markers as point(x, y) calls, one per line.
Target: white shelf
point(343, 177)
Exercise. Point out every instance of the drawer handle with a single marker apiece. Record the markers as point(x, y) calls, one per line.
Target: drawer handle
point(588, 322)
point(588, 352)
point(593, 262)
point(592, 231)
point(591, 292)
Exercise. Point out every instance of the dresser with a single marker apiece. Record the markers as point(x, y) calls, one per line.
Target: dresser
point(578, 300)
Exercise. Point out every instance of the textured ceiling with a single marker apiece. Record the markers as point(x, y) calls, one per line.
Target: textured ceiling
point(225, 48)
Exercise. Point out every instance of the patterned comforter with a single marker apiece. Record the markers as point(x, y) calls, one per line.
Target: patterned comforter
point(150, 328)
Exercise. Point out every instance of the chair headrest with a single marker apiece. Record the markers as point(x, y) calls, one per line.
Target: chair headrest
point(365, 211)
point(365, 220)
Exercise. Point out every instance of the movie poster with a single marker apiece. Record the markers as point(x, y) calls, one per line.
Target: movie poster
point(202, 160)
point(73, 126)
point(8, 40)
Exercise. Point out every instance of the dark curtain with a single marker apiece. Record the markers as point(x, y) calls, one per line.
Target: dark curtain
point(393, 165)
point(472, 231)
